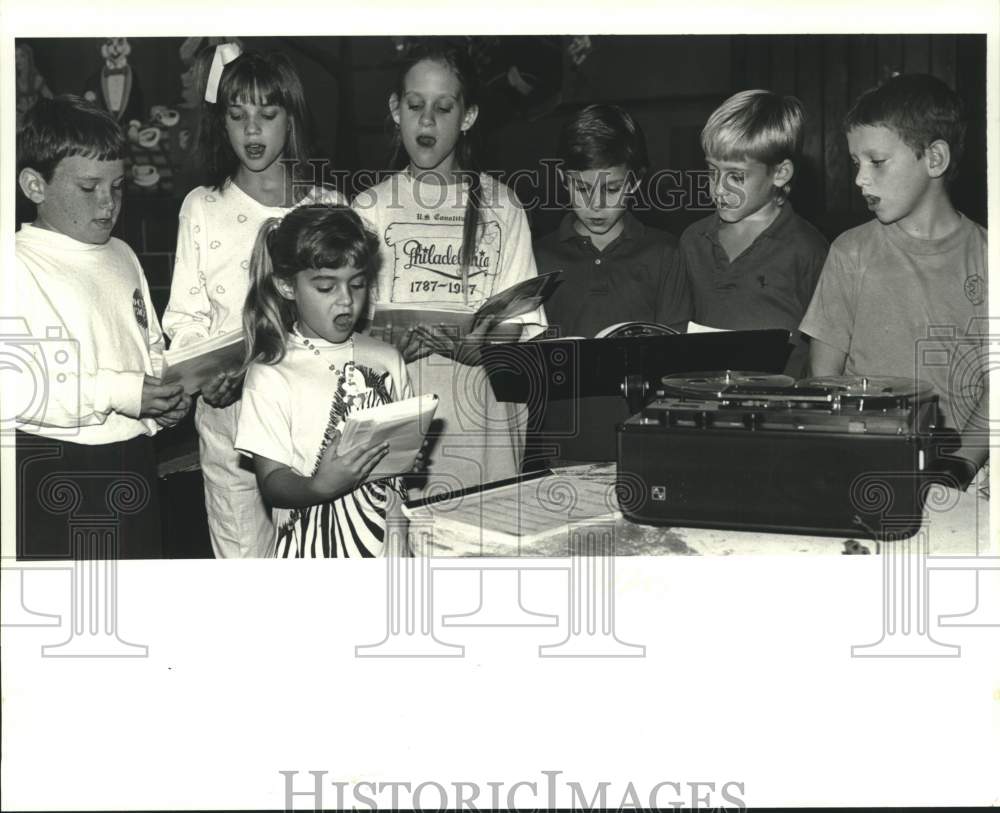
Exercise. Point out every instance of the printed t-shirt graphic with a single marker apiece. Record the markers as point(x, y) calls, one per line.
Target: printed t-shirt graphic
point(427, 265)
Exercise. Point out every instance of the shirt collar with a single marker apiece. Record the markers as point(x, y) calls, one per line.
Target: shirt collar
point(56, 239)
point(773, 230)
point(632, 228)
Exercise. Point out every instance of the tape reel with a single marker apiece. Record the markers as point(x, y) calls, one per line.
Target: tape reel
point(851, 386)
point(719, 382)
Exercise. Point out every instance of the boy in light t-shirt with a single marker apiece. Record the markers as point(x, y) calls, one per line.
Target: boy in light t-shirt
point(904, 295)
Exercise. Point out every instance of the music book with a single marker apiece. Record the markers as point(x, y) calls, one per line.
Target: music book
point(694, 327)
point(195, 364)
point(627, 330)
point(500, 516)
point(619, 330)
point(403, 423)
point(390, 321)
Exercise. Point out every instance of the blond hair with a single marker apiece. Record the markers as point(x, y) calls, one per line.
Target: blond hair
point(755, 124)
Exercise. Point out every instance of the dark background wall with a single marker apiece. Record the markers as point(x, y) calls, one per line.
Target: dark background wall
point(669, 83)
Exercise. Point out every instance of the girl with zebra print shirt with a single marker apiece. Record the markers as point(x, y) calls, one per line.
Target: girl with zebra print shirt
point(308, 370)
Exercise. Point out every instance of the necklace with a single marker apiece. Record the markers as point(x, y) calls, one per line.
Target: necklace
point(348, 369)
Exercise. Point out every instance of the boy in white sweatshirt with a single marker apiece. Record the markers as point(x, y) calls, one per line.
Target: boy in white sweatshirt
point(90, 392)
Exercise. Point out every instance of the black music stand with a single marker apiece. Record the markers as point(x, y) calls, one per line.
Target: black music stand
point(537, 373)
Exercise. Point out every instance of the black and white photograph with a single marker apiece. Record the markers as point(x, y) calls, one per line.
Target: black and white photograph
point(623, 397)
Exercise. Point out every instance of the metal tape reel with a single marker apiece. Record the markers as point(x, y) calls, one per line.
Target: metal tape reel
point(852, 386)
point(717, 382)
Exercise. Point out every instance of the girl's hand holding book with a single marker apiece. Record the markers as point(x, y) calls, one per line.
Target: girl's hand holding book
point(466, 349)
point(488, 330)
point(337, 475)
point(425, 340)
point(223, 390)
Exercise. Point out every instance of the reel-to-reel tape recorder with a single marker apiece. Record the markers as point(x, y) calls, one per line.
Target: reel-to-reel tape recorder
point(838, 455)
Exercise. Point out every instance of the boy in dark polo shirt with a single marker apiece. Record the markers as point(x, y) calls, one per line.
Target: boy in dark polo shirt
point(754, 263)
point(615, 269)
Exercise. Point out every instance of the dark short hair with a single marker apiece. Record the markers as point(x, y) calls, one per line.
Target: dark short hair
point(64, 126)
point(917, 107)
point(601, 136)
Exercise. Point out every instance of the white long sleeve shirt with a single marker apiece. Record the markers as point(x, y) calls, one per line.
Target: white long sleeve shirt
point(87, 333)
point(215, 238)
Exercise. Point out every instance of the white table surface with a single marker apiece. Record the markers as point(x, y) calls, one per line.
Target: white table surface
point(956, 523)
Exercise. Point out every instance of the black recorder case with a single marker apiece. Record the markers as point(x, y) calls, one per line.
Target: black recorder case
point(828, 456)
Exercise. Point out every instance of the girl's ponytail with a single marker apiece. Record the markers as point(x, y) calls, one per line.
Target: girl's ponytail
point(470, 230)
point(266, 311)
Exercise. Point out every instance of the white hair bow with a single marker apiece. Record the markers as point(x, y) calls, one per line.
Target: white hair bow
point(224, 54)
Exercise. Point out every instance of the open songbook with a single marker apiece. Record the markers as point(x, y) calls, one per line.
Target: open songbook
point(390, 321)
point(194, 365)
point(619, 330)
point(402, 423)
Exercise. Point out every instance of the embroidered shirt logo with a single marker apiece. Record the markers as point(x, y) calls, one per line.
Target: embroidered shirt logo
point(975, 289)
point(139, 306)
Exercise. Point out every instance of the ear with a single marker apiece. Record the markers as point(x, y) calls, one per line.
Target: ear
point(285, 288)
point(32, 184)
point(938, 158)
point(783, 173)
point(394, 107)
point(470, 117)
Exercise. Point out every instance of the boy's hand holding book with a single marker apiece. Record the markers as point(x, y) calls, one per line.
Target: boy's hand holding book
point(165, 403)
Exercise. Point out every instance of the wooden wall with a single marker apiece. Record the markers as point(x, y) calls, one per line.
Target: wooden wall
point(669, 83)
point(827, 73)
